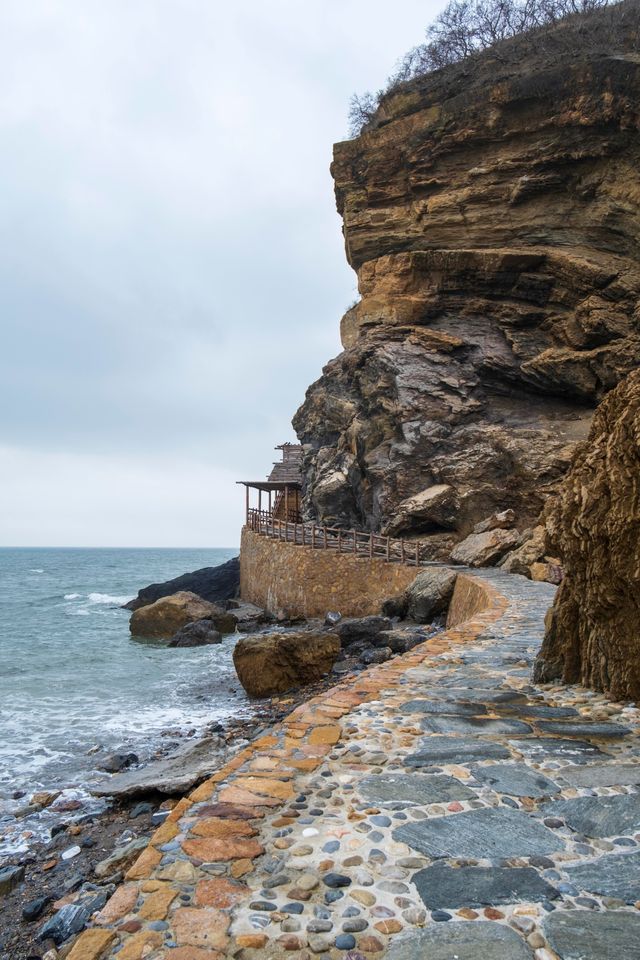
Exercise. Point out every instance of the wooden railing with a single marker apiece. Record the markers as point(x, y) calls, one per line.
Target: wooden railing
point(355, 542)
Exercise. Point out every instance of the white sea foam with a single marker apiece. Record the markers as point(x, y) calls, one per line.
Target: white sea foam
point(72, 596)
point(107, 598)
point(36, 570)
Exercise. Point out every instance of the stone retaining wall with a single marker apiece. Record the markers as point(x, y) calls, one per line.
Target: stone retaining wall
point(470, 597)
point(301, 581)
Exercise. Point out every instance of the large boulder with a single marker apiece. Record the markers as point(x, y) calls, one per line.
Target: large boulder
point(430, 594)
point(432, 509)
point(276, 662)
point(358, 629)
point(593, 631)
point(200, 633)
point(162, 619)
point(485, 549)
point(215, 584)
point(531, 551)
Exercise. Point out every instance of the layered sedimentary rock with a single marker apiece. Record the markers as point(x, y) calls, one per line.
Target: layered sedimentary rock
point(593, 630)
point(491, 213)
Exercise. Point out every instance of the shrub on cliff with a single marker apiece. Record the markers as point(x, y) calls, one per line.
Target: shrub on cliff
point(466, 28)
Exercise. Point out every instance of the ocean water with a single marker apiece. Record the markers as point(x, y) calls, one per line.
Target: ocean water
point(72, 679)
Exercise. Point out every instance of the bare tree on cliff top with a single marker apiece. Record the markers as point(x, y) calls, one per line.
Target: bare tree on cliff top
point(465, 28)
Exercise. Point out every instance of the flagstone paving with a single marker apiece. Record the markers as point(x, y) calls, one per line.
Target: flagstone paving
point(439, 805)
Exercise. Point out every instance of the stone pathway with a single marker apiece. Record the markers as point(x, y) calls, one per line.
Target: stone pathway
point(439, 806)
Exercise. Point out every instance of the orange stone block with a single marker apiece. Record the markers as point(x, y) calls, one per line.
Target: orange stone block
point(220, 893)
point(146, 862)
point(119, 905)
point(306, 765)
point(191, 953)
point(214, 849)
point(240, 867)
point(156, 906)
point(203, 792)
point(234, 794)
point(329, 734)
point(179, 810)
point(140, 945)
point(216, 827)
point(388, 926)
point(266, 786)
point(203, 927)
point(252, 941)
point(91, 945)
point(165, 832)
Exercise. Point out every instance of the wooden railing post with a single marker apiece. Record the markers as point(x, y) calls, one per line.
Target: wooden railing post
point(371, 546)
point(402, 551)
point(417, 554)
point(324, 534)
point(388, 549)
point(339, 541)
point(313, 536)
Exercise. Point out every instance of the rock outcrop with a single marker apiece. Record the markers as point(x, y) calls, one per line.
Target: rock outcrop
point(164, 618)
point(276, 662)
point(215, 584)
point(491, 213)
point(593, 629)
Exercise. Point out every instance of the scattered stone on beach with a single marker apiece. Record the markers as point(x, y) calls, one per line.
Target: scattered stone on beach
point(120, 858)
point(117, 761)
point(175, 774)
point(361, 629)
point(276, 662)
point(161, 620)
point(10, 877)
point(200, 633)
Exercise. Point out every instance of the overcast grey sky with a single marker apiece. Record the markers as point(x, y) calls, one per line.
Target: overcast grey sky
point(172, 272)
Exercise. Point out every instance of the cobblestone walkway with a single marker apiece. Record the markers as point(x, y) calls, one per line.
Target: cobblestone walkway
point(439, 806)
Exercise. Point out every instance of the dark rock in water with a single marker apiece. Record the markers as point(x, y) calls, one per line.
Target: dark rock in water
point(140, 809)
point(117, 761)
point(68, 920)
point(215, 584)
point(10, 877)
point(361, 628)
point(162, 619)
point(248, 616)
point(34, 909)
point(200, 633)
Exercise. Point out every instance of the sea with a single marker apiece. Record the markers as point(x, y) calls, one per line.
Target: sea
point(76, 686)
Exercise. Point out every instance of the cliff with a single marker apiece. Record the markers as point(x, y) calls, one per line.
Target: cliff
point(490, 212)
point(594, 523)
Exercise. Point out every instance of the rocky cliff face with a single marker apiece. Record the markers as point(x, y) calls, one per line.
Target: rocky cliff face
point(492, 218)
point(593, 634)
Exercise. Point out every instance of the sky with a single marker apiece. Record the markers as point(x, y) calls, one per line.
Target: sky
point(172, 271)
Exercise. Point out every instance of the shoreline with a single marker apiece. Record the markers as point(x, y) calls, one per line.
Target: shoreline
point(47, 874)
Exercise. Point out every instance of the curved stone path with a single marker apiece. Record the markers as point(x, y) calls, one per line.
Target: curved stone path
point(438, 806)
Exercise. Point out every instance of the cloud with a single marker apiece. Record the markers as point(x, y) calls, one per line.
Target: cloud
point(171, 263)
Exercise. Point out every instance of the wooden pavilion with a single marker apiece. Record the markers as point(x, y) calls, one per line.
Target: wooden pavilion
point(282, 489)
